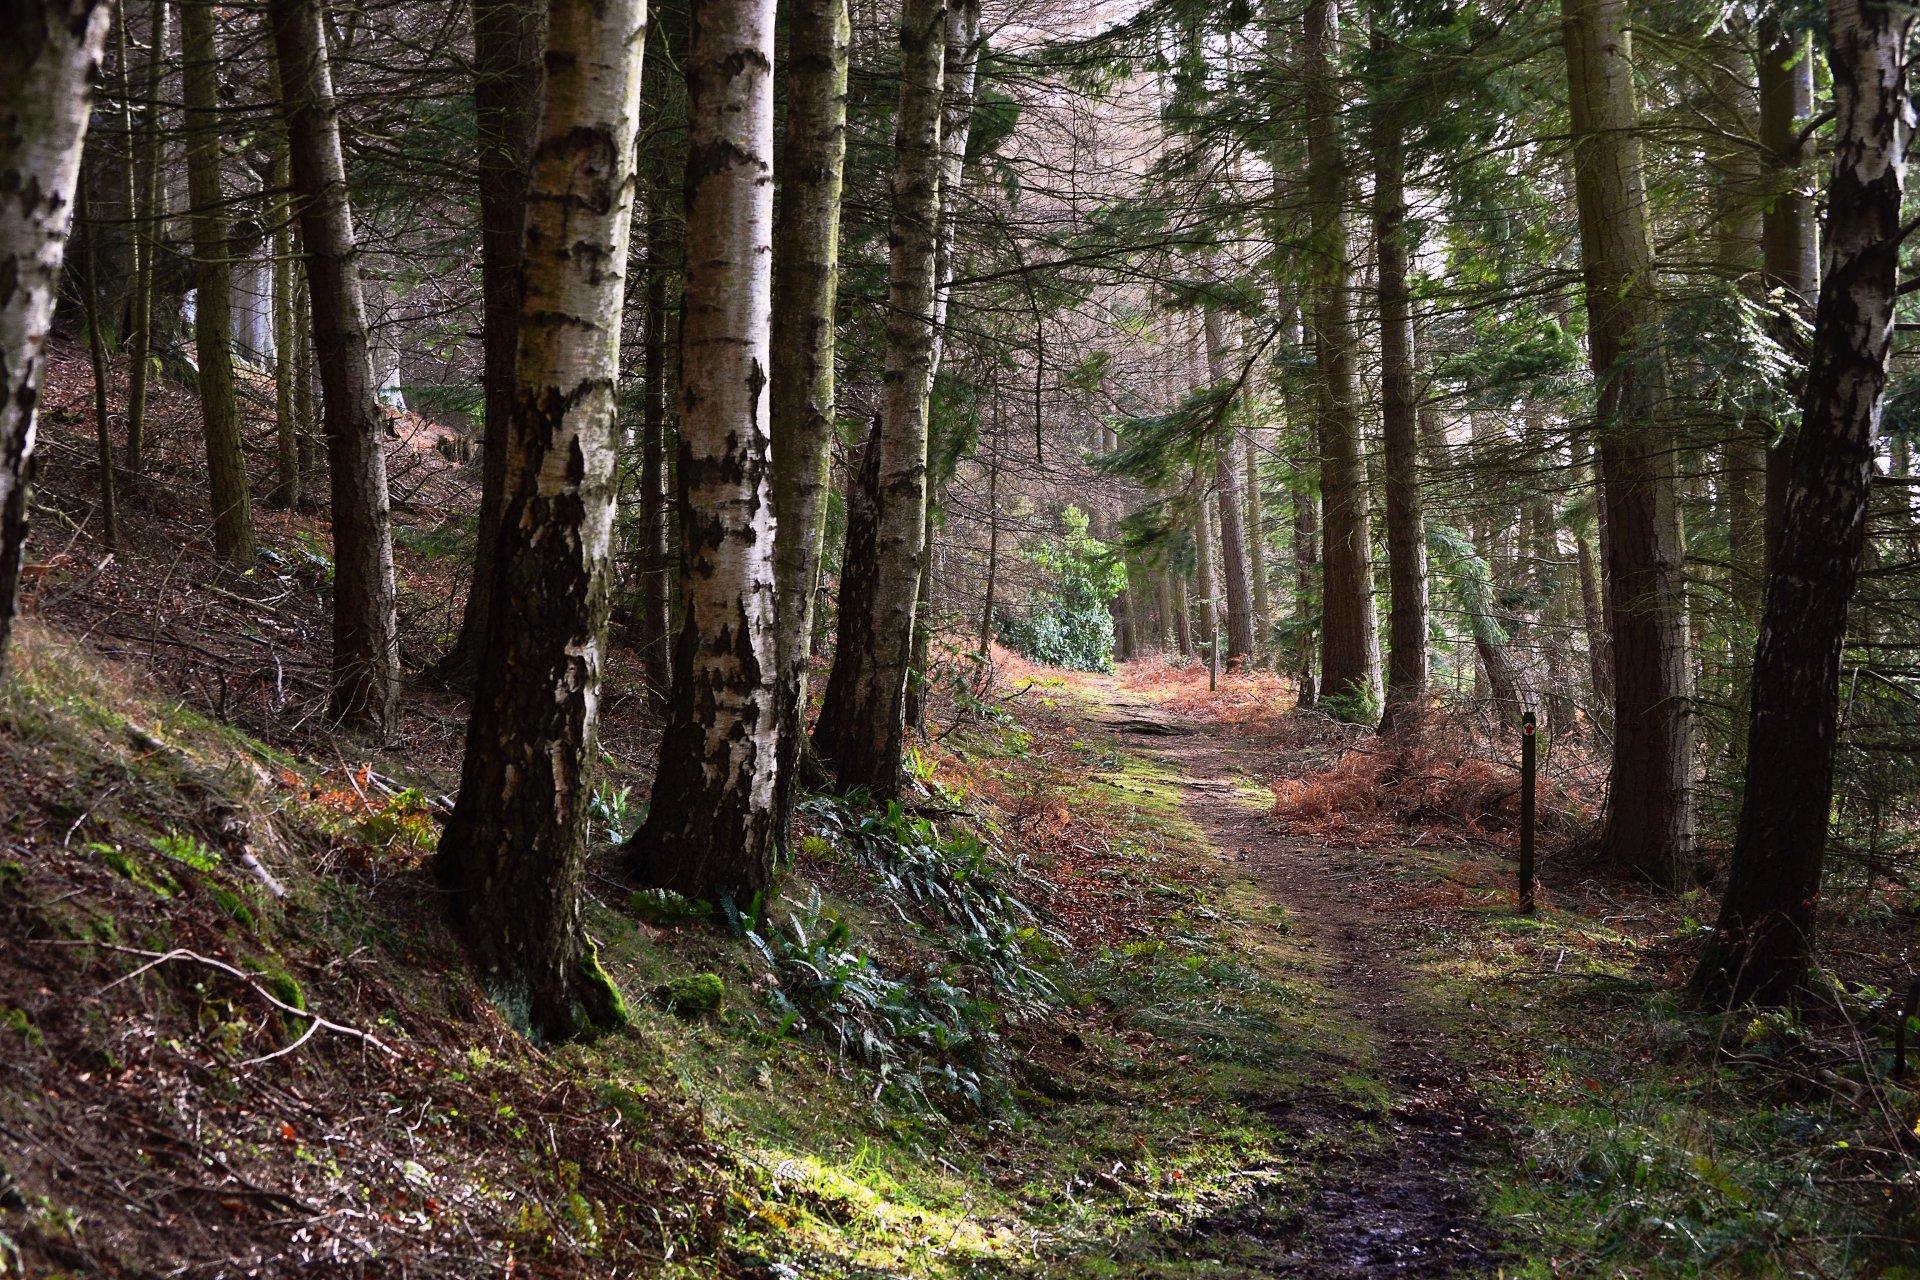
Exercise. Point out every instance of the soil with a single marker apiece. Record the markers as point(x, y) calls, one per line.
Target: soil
point(1405, 1206)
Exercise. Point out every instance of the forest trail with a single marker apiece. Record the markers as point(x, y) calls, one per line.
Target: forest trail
point(1397, 1199)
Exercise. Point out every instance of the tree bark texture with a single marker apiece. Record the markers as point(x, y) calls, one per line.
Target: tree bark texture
point(964, 45)
point(1763, 939)
point(1406, 689)
point(861, 731)
point(1234, 574)
point(514, 852)
point(213, 276)
point(1789, 240)
point(710, 824)
point(1349, 628)
point(366, 641)
point(1648, 825)
point(286, 432)
point(508, 37)
point(656, 511)
point(47, 64)
point(146, 233)
point(805, 280)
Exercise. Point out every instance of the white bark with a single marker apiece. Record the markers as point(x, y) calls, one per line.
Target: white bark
point(48, 57)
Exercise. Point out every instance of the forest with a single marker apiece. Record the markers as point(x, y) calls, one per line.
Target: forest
point(958, 638)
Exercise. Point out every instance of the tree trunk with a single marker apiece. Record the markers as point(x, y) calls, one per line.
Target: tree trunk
point(509, 37)
point(1349, 631)
point(514, 852)
point(1406, 690)
point(1763, 940)
point(805, 281)
point(1789, 242)
point(1234, 576)
point(95, 323)
point(1204, 578)
point(710, 826)
point(1648, 826)
point(146, 234)
point(303, 413)
point(1182, 618)
point(286, 434)
point(861, 730)
point(213, 300)
point(961, 60)
point(656, 588)
point(47, 64)
point(1257, 545)
point(366, 642)
point(956, 127)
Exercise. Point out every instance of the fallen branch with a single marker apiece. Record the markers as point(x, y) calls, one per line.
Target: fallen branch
point(157, 958)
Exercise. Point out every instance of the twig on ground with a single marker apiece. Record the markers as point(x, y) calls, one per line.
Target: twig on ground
point(157, 958)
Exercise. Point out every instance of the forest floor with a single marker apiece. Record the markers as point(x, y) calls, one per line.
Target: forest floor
point(1146, 980)
point(1402, 1196)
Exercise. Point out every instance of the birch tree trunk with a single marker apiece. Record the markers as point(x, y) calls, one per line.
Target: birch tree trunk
point(806, 277)
point(1406, 690)
point(213, 276)
point(366, 641)
point(1648, 825)
point(508, 37)
point(1764, 937)
point(47, 63)
point(514, 852)
point(710, 825)
point(861, 731)
point(1349, 629)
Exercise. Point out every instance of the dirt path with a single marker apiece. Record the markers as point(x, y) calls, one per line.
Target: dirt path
point(1399, 1207)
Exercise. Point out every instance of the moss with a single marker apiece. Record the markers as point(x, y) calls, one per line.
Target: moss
point(283, 985)
point(665, 907)
point(126, 866)
point(602, 1006)
point(18, 1021)
point(234, 906)
point(693, 995)
point(12, 877)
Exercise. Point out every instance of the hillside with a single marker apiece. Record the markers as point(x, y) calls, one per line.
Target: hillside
point(1147, 980)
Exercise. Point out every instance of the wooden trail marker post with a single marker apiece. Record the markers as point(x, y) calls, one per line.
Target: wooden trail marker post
point(1529, 737)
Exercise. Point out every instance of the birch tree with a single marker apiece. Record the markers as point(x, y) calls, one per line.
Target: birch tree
point(806, 274)
point(710, 824)
point(862, 725)
point(513, 854)
point(1764, 936)
point(47, 64)
point(508, 36)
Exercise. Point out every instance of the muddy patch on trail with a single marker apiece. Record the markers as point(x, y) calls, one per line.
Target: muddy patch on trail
point(1395, 1194)
point(1395, 1205)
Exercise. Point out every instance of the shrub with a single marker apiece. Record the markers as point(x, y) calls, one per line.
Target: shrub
point(1075, 630)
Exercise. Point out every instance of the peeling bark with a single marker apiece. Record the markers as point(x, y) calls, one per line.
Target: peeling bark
point(514, 852)
point(862, 727)
point(47, 63)
point(1763, 939)
point(710, 823)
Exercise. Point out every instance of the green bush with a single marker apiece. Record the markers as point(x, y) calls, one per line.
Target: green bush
point(1075, 630)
